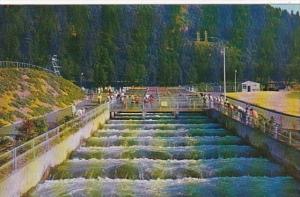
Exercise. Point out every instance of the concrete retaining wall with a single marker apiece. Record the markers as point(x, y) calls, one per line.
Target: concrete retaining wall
point(282, 153)
point(25, 178)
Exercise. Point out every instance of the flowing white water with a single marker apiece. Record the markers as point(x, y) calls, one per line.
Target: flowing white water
point(163, 141)
point(166, 169)
point(162, 133)
point(157, 152)
point(161, 126)
point(245, 186)
point(159, 155)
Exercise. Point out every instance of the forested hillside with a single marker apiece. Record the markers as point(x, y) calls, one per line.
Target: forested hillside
point(154, 45)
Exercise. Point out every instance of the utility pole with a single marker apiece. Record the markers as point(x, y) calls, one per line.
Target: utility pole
point(81, 80)
point(224, 65)
point(235, 71)
point(220, 43)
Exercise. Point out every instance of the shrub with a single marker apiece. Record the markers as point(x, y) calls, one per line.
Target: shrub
point(67, 118)
point(41, 125)
point(5, 140)
point(27, 129)
point(33, 127)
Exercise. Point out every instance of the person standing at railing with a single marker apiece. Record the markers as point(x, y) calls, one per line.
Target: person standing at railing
point(230, 109)
point(271, 124)
point(254, 117)
point(79, 112)
point(244, 116)
point(241, 112)
point(251, 119)
point(151, 100)
point(247, 113)
point(206, 100)
point(219, 103)
point(235, 112)
point(210, 99)
point(99, 98)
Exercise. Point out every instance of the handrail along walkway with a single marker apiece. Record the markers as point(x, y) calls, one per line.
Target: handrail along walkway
point(23, 154)
point(7, 64)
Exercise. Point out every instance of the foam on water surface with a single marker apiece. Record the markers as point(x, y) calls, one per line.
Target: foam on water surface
point(166, 169)
point(221, 186)
point(162, 133)
point(156, 152)
point(160, 155)
point(163, 141)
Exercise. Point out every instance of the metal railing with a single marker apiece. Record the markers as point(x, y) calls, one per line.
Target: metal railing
point(272, 128)
point(53, 117)
point(196, 103)
point(217, 87)
point(287, 121)
point(23, 154)
point(23, 65)
point(173, 104)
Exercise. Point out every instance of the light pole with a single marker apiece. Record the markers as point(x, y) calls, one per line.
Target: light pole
point(220, 42)
point(235, 71)
point(224, 70)
point(81, 79)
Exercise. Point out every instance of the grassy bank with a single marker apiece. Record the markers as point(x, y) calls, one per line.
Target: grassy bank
point(286, 102)
point(26, 93)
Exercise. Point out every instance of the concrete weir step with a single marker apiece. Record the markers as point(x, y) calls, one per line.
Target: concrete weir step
point(161, 126)
point(166, 169)
point(211, 187)
point(163, 141)
point(156, 117)
point(163, 155)
point(168, 121)
point(154, 152)
point(161, 133)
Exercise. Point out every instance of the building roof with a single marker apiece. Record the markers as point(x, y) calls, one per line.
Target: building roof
point(247, 82)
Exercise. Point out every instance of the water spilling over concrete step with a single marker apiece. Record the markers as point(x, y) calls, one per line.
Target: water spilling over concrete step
point(159, 154)
point(166, 169)
point(161, 133)
point(162, 126)
point(155, 152)
point(219, 186)
point(157, 117)
point(168, 121)
point(163, 141)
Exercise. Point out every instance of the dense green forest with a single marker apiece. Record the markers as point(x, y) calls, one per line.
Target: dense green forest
point(154, 45)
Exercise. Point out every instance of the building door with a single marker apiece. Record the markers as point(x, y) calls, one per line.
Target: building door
point(249, 89)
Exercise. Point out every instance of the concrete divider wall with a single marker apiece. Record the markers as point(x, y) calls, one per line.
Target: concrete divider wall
point(282, 153)
point(25, 178)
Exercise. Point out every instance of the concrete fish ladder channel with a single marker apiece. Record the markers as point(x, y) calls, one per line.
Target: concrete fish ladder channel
point(162, 156)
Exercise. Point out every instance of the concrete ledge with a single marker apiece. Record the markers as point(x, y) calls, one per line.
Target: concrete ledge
point(23, 179)
point(282, 153)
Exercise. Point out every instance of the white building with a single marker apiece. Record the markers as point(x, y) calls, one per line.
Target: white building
point(250, 86)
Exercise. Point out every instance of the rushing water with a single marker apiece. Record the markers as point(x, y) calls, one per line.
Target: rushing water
point(164, 156)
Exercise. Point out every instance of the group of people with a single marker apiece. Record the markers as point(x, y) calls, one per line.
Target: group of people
point(78, 112)
point(116, 95)
point(247, 115)
point(148, 98)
